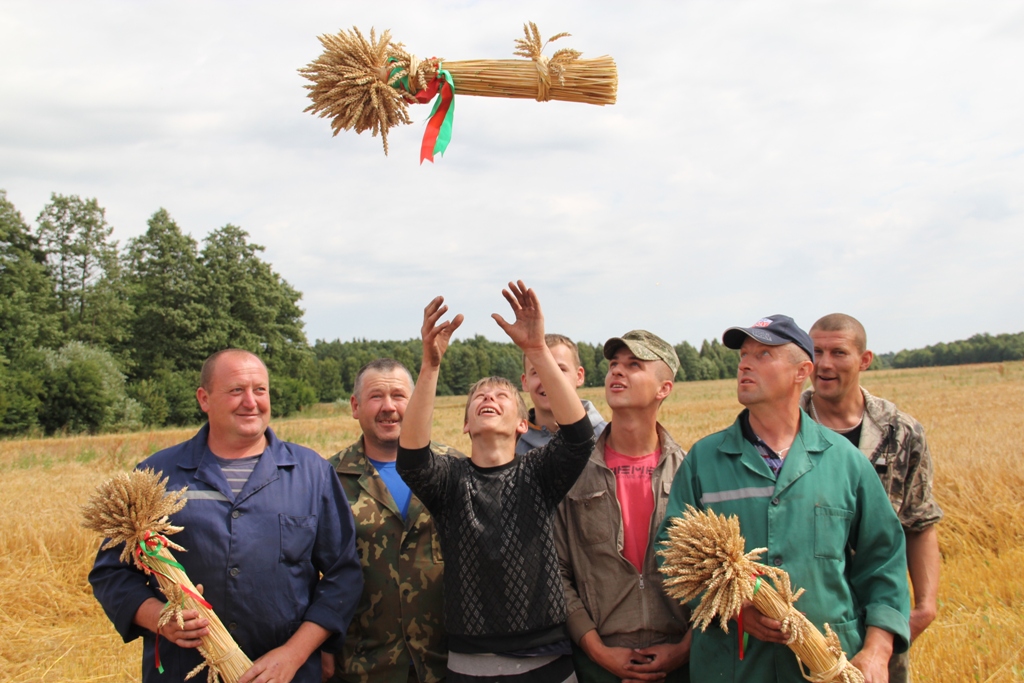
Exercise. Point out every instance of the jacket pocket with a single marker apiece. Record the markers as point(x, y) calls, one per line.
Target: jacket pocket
point(297, 537)
point(661, 502)
point(592, 516)
point(851, 634)
point(831, 531)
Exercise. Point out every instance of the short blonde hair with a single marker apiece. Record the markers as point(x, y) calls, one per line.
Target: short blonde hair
point(524, 413)
point(553, 340)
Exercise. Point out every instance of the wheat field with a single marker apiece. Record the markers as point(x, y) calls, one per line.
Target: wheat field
point(51, 628)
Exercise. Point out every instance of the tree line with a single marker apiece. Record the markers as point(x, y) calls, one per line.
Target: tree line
point(95, 336)
point(98, 336)
point(981, 348)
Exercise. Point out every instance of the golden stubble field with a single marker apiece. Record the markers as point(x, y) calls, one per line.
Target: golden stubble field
point(51, 628)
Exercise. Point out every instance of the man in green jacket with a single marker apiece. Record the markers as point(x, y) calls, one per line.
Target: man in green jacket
point(809, 497)
point(397, 635)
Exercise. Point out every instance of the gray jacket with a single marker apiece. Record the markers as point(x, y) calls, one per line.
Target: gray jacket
point(538, 435)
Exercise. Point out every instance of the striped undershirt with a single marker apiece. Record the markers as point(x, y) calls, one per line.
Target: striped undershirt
point(237, 471)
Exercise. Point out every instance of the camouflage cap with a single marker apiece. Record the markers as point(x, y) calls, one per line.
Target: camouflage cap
point(645, 346)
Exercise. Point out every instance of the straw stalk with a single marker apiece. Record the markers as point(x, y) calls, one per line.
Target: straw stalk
point(705, 555)
point(133, 509)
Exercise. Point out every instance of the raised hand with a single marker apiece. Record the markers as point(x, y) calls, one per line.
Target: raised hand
point(527, 332)
point(436, 337)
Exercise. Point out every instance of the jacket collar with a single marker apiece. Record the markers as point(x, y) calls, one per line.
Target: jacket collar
point(198, 458)
point(810, 443)
point(666, 443)
point(354, 462)
point(875, 428)
point(537, 435)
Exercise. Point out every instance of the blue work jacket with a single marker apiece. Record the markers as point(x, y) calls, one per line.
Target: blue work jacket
point(259, 557)
point(826, 520)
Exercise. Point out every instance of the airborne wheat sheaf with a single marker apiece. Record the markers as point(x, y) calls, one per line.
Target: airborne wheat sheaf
point(53, 630)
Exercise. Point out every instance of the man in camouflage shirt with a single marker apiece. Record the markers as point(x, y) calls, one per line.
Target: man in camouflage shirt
point(397, 634)
point(895, 444)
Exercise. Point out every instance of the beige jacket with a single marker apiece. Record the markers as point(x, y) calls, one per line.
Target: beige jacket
point(603, 590)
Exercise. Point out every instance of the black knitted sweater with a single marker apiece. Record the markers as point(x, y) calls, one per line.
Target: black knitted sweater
point(502, 588)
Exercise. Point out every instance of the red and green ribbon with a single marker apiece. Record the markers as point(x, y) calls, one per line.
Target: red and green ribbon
point(744, 636)
point(150, 545)
point(439, 126)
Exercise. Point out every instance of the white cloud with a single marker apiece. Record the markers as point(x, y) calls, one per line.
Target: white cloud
point(763, 157)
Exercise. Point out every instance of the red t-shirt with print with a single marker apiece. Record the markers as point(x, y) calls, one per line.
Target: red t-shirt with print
point(636, 499)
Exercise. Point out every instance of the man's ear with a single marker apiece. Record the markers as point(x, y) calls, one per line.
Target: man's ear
point(355, 407)
point(665, 390)
point(465, 427)
point(865, 360)
point(522, 380)
point(204, 399)
point(581, 375)
point(804, 371)
point(522, 427)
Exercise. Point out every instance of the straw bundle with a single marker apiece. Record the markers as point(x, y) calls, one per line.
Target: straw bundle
point(366, 84)
point(705, 555)
point(133, 509)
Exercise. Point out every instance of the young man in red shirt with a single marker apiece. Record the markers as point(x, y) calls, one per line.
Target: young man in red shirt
point(620, 621)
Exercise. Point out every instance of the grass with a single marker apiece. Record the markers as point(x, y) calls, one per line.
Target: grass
point(53, 629)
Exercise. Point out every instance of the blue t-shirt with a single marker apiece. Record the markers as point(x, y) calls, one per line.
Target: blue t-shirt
point(398, 488)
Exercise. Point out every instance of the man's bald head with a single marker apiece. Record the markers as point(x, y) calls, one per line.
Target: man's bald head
point(210, 365)
point(840, 322)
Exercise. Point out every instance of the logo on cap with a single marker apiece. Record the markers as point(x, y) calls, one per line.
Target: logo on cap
point(763, 322)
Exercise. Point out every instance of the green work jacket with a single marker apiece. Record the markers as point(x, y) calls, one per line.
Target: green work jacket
point(826, 521)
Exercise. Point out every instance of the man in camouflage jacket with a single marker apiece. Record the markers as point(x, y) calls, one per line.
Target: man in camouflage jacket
point(397, 634)
point(895, 444)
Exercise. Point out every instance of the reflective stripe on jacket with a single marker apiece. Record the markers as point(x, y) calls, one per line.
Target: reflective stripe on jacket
point(826, 521)
point(259, 557)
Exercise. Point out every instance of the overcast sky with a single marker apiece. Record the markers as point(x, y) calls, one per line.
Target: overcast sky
point(763, 157)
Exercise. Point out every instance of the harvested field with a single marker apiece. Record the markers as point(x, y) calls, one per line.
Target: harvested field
point(53, 630)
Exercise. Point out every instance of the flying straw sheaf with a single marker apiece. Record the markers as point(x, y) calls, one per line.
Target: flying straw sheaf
point(365, 84)
point(705, 555)
point(133, 508)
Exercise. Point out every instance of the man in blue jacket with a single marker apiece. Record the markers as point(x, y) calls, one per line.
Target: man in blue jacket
point(268, 532)
point(808, 496)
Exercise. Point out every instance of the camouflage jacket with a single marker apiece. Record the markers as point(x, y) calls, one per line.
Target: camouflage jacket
point(399, 620)
point(895, 444)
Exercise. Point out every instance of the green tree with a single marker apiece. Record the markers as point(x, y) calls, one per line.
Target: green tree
point(28, 305)
point(171, 330)
point(689, 362)
point(250, 306)
point(83, 390)
point(21, 391)
point(83, 262)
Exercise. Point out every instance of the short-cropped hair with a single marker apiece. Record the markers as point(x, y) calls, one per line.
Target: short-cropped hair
point(381, 365)
point(840, 322)
point(210, 364)
point(553, 340)
point(524, 413)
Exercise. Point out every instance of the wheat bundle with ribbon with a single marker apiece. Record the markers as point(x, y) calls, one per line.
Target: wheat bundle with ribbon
point(704, 554)
point(133, 509)
point(365, 84)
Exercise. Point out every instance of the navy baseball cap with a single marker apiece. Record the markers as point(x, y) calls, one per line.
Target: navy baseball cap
point(775, 330)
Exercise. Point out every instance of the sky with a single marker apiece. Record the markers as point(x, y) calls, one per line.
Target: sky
point(763, 157)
